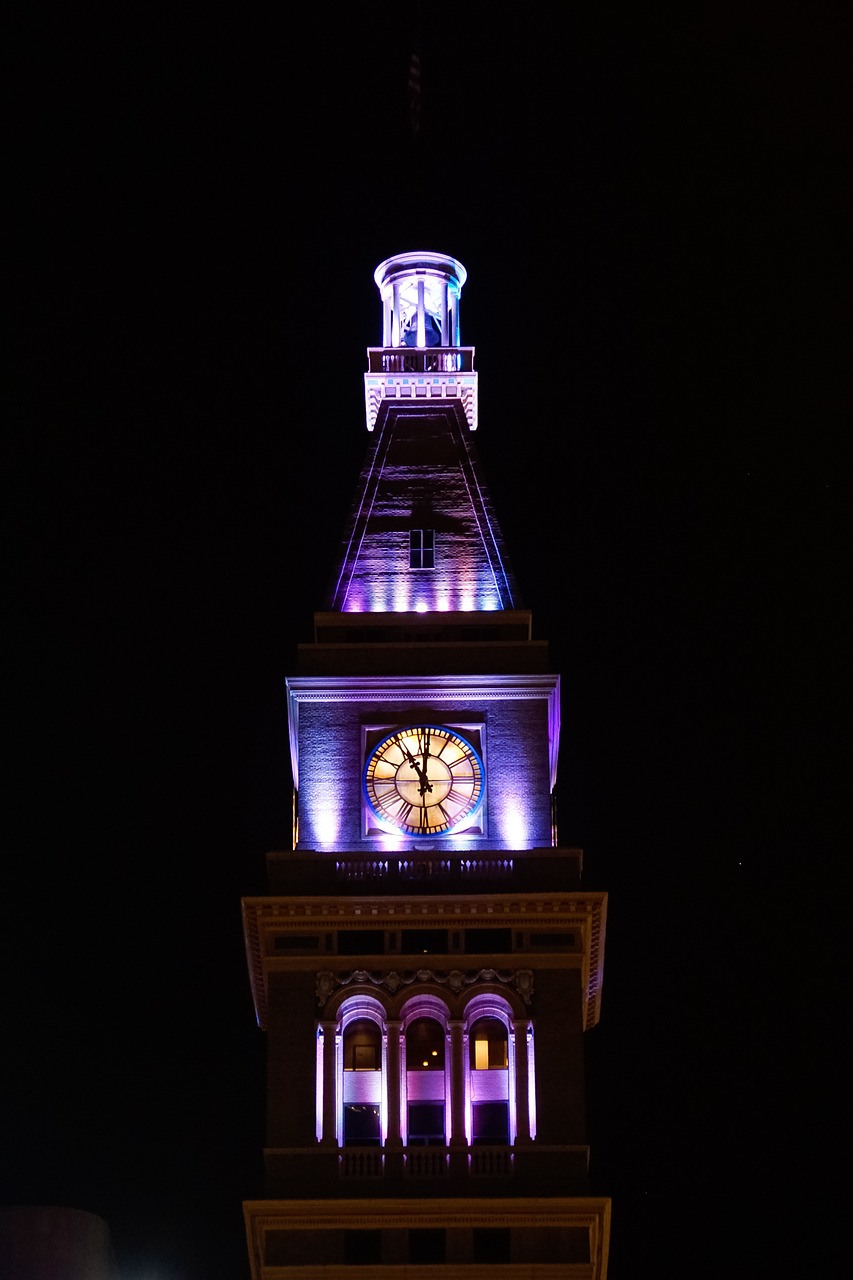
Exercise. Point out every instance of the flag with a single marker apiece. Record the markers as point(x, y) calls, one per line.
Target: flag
point(415, 94)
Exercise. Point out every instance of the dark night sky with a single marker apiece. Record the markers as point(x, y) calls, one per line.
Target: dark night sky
point(650, 210)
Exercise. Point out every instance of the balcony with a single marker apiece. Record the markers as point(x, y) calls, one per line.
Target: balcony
point(354, 872)
point(525, 1169)
point(406, 374)
point(420, 360)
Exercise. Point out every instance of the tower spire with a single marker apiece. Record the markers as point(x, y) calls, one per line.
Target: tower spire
point(415, 88)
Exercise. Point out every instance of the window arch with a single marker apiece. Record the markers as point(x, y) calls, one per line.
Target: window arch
point(488, 1041)
point(360, 1074)
point(425, 1078)
point(425, 1045)
point(362, 1046)
point(490, 1092)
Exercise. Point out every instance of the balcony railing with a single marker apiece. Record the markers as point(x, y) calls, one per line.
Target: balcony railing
point(428, 1162)
point(423, 867)
point(403, 360)
point(361, 1162)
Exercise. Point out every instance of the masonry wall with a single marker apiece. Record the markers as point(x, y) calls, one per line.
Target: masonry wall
point(291, 1061)
point(560, 1093)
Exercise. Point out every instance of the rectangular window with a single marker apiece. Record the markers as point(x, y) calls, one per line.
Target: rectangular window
point(426, 1124)
point(362, 1248)
point(491, 1244)
point(424, 941)
point(552, 941)
point(364, 1057)
point(488, 941)
point(361, 942)
point(491, 1124)
point(361, 1126)
point(490, 1053)
point(421, 548)
point(296, 942)
point(426, 1245)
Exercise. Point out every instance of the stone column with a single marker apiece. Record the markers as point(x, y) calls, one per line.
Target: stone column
point(457, 1085)
point(392, 1084)
point(330, 1084)
point(522, 1102)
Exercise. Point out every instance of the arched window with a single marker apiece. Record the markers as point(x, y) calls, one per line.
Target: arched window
point(425, 1045)
point(426, 1087)
point(491, 1114)
point(362, 1046)
point(360, 1074)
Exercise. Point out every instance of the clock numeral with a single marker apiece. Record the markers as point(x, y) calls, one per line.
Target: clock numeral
point(435, 823)
point(402, 811)
point(442, 823)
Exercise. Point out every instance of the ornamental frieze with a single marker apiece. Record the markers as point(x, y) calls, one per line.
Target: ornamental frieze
point(521, 980)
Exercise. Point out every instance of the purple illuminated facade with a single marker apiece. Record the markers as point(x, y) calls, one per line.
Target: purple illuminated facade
point(425, 963)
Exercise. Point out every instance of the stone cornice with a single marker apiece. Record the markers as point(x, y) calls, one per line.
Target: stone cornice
point(264, 1218)
point(583, 913)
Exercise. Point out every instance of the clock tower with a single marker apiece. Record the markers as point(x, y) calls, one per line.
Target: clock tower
point(425, 963)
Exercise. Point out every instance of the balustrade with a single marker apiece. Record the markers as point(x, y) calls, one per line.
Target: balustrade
point(404, 360)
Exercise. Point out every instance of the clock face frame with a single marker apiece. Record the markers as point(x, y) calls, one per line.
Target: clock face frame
point(423, 780)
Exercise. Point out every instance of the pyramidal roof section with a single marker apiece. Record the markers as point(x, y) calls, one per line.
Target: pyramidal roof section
point(422, 534)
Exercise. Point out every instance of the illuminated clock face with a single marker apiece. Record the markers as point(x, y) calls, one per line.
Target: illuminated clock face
point(423, 780)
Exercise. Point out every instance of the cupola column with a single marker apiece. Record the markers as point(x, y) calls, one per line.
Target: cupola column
point(395, 315)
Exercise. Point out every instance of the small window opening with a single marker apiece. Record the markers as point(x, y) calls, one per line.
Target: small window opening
point(426, 1124)
point(362, 1046)
point(490, 1123)
point(491, 1244)
point(425, 1046)
point(361, 1126)
point(426, 1245)
point(362, 1248)
point(422, 549)
point(489, 1045)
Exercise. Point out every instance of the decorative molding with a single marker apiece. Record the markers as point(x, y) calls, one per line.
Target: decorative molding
point(468, 1212)
point(421, 387)
point(383, 689)
point(328, 981)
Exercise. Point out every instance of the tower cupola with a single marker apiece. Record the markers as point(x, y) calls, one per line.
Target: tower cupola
point(420, 299)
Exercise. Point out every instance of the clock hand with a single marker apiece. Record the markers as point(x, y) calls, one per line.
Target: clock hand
point(426, 785)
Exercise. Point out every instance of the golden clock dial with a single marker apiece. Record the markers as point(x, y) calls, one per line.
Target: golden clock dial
point(423, 780)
